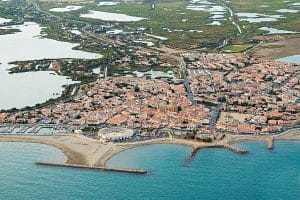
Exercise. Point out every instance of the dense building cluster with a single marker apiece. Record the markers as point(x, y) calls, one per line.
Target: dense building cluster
point(132, 102)
point(267, 91)
point(230, 93)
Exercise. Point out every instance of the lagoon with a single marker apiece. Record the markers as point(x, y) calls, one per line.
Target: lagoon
point(27, 89)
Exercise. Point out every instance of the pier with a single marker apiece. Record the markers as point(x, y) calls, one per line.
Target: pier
point(131, 171)
point(225, 146)
point(22, 129)
point(35, 130)
point(270, 143)
point(235, 149)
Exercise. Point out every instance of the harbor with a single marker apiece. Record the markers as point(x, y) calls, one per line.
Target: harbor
point(33, 129)
point(85, 152)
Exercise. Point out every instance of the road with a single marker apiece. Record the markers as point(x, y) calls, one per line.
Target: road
point(234, 23)
point(214, 116)
point(232, 19)
point(183, 75)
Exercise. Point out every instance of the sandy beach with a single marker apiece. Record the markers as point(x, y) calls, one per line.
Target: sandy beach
point(84, 151)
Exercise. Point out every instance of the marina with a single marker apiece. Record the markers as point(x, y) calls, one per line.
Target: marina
point(23, 129)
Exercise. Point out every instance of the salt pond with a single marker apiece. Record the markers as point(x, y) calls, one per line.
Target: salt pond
point(256, 17)
point(218, 12)
point(3, 20)
point(108, 3)
point(156, 37)
point(180, 30)
point(106, 16)
point(276, 31)
point(215, 23)
point(66, 9)
point(27, 89)
point(287, 11)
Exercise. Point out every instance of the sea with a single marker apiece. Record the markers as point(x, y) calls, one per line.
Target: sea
point(212, 174)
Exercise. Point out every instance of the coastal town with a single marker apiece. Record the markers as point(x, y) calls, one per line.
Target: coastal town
point(150, 99)
point(144, 84)
point(230, 94)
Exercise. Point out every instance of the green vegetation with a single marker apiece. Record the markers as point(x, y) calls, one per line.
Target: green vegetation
point(173, 15)
point(291, 21)
point(166, 15)
point(8, 31)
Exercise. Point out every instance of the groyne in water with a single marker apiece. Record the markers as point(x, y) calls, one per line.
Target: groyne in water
point(234, 149)
point(270, 143)
point(131, 171)
point(229, 147)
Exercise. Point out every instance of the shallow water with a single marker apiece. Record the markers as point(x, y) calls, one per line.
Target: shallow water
point(276, 31)
point(291, 59)
point(108, 3)
point(4, 20)
point(66, 9)
point(213, 174)
point(287, 11)
point(27, 89)
point(217, 12)
point(257, 18)
point(106, 16)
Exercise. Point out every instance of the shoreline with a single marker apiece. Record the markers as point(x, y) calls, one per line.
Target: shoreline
point(83, 151)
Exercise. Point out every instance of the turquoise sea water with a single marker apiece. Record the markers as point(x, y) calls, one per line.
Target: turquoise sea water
point(213, 174)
